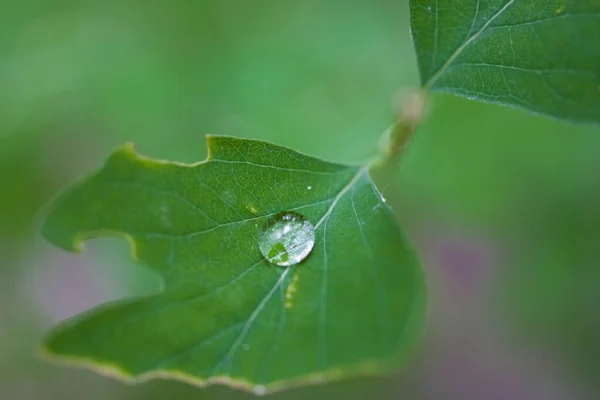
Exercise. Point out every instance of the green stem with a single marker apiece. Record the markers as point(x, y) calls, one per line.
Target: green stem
point(396, 139)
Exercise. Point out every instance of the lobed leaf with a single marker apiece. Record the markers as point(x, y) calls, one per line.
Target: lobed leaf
point(226, 315)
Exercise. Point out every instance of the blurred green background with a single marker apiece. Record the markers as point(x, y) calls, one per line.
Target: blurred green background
point(501, 205)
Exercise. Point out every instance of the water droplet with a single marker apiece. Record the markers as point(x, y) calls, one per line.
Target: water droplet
point(260, 390)
point(309, 187)
point(246, 346)
point(286, 238)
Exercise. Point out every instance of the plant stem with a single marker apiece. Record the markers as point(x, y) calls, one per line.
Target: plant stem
point(395, 140)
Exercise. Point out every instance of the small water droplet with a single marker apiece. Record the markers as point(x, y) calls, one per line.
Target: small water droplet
point(246, 346)
point(286, 238)
point(260, 390)
point(309, 187)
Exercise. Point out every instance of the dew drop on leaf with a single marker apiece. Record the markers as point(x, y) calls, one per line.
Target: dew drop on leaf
point(286, 238)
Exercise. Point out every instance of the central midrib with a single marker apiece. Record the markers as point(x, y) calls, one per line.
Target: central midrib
point(466, 43)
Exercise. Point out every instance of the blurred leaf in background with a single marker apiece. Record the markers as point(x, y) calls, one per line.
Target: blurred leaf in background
point(531, 55)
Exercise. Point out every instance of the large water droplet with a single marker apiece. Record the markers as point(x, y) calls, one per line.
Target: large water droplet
point(286, 238)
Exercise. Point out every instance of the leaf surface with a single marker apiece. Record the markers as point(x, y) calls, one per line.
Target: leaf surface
point(226, 315)
point(542, 55)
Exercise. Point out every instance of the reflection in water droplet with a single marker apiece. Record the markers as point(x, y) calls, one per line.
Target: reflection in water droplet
point(286, 238)
point(309, 187)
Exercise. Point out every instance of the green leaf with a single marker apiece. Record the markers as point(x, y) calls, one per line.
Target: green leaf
point(542, 56)
point(355, 305)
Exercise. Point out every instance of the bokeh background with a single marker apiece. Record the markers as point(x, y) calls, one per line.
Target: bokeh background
point(502, 206)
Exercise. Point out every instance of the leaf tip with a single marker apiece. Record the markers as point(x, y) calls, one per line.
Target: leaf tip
point(127, 148)
point(127, 153)
point(54, 234)
point(211, 142)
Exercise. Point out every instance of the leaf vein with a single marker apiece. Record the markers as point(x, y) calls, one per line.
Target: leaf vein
point(226, 224)
point(381, 292)
point(181, 353)
point(465, 43)
point(230, 354)
point(542, 20)
point(306, 171)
